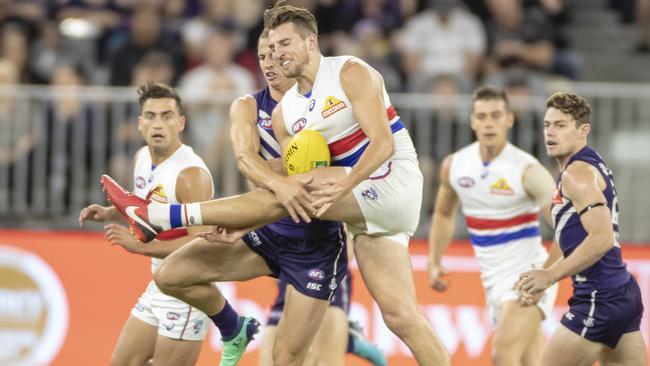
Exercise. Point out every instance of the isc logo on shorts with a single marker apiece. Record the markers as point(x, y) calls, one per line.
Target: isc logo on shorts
point(314, 286)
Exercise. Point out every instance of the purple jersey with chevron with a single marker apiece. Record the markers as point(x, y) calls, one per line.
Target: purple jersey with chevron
point(270, 149)
point(609, 271)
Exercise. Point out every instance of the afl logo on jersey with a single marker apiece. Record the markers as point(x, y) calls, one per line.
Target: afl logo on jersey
point(140, 182)
point(466, 182)
point(316, 274)
point(298, 125)
point(265, 123)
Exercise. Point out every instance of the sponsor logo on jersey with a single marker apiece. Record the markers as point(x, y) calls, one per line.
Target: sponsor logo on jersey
point(172, 315)
point(569, 316)
point(158, 194)
point(501, 186)
point(370, 194)
point(298, 125)
point(169, 327)
point(589, 322)
point(332, 105)
point(312, 103)
point(266, 123)
point(466, 182)
point(139, 307)
point(316, 274)
point(140, 182)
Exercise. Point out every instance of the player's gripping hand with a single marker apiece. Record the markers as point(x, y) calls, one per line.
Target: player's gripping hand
point(436, 274)
point(291, 193)
point(223, 235)
point(526, 299)
point(332, 190)
point(122, 236)
point(534, 281)
point(97, 213)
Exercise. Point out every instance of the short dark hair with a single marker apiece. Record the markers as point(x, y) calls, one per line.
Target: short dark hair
point(153, 90)
point(490, 93)
point(263, 35)
point(301, 18)
point(572, 104)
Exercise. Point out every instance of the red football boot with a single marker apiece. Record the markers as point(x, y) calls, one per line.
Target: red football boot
point(132, 208)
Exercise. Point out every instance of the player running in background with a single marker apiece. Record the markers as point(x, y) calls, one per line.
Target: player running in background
point(500, 189)
point(376, 171)
point(160, 327)
point(605, 310)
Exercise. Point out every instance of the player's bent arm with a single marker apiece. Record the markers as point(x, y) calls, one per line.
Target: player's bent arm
point(539, 185)
point(192, 185)
point(364, 88)
point(583, 185)
point(444, 216)
point(245, 140)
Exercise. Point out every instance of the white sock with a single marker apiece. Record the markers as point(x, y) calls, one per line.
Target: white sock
point(158, 214)
point(192, 214)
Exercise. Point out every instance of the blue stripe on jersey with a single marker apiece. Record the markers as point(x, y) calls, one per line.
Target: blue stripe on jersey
point(488, 240)
point(396, 126)
point(269, 148)
point(352, 159)
point(175, 216)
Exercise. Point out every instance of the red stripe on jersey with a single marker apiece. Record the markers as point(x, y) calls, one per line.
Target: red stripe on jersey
point(349, 142)
point(486, 224)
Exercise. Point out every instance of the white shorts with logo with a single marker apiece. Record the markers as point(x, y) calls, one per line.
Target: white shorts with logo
point(173, 318)
point(391, 199)
point(504, 291)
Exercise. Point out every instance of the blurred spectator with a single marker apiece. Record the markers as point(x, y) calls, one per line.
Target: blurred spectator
point(519, 37)
point(18, 138)
point(145, 36)
point(368, 43)
point(156, 67)
point(69, 123)
point(207, 128)
point(14, 48)
point(385, 12)
point(444, 39)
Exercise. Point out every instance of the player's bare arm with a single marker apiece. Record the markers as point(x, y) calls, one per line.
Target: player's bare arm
point(245, 141)
point(291, 193)
point(583, 185)
point(192, 185)
point(364, 88)
point(442, 227)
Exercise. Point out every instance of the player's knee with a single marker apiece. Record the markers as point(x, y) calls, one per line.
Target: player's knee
point(504, 351)
point(166, 280)
point(402, 320)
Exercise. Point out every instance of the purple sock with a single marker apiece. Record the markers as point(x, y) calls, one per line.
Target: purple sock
point(226, 320)
point(350, 343)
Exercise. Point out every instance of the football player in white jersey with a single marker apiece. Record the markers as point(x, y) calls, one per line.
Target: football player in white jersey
point(260, 166)
point(160, 327)
point(501, 190)
point(376, 189)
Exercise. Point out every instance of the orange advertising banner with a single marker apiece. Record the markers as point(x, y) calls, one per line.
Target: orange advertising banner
point(64, 297)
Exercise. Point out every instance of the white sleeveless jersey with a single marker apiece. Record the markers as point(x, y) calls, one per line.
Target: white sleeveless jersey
point(158, 183)
point(502, 219)
point(327, 110)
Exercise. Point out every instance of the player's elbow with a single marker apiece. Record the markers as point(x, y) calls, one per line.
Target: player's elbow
point(604, 241)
